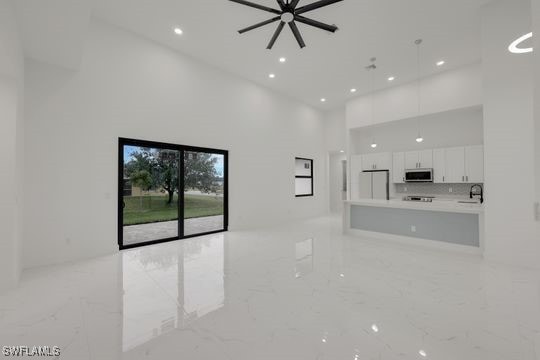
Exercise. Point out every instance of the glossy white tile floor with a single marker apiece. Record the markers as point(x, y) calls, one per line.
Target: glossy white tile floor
point(299, 292)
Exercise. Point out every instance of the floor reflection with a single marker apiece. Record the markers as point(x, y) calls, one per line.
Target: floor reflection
point(234, 296)
point(304, 258)
point(168, 287)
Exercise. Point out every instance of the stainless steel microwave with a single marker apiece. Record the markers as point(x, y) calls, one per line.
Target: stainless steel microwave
point(419, 175)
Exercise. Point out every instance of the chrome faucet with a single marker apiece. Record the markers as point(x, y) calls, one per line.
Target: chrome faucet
point(473, 193)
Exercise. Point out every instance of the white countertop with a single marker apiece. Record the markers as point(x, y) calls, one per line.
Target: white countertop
point(444, 205)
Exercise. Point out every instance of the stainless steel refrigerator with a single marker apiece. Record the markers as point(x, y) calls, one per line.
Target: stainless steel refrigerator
point(375, 185)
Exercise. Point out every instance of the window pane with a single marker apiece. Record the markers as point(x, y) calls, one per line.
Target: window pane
point(204, 176)
point(303, 186)
point(303, 167)
point(150, 194)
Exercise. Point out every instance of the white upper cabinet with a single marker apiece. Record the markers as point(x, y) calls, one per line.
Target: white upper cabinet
point(425, 159)
point(455, 165)
point(419, 159)
point(474, 164)
point(379, 161)
point(398, 168)
point(439, 165)
point(383, 161)
point(411, 160)
point(368, 162)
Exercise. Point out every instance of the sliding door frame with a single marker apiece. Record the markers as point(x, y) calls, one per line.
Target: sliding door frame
point(182, 149)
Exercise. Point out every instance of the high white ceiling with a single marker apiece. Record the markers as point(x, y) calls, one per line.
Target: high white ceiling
point(331, 64)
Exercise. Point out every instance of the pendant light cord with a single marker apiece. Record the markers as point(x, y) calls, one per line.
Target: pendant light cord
point(372, 86)
point(418, 91)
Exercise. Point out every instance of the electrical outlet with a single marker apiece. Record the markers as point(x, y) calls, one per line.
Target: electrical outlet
point(450, 190)
point(413, 228)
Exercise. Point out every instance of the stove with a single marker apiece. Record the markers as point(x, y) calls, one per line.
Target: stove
point(419, 198)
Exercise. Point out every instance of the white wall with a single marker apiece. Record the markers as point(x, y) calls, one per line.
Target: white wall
point(455, 89)
point(508, 136)
point(335, 130)
point(335, 182)
point(11, 124)
point(536, 30)
point(134, 88)
point(452, 128)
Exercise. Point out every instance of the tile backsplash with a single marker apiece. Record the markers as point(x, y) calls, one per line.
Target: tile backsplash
point(430, 189)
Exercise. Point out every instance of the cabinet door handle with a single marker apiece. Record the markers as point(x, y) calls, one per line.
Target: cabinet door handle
point(467, 177)
point(463, 178)
point(443, 179)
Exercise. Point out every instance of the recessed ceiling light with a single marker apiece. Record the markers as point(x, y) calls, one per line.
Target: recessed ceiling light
point(514, 46)
point(353, 90)
point(178, 31)
point(441, 63)
point(375, 328)
point(271, 76)
point(342, 151)
point(282, 59)
point(419, 139)
point(323, 100)
point(422, 353)
point(391, 78)
point(374, 145)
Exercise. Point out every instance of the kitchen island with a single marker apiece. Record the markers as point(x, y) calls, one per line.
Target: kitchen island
point(444, 223)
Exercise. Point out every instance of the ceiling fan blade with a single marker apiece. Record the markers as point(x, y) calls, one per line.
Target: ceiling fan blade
point(259, 25)
point(276, 35)
point(317, 24)
point(257, 6)
point(315, 5)
point(294, 3)
point(297, 34)
point(281, 4)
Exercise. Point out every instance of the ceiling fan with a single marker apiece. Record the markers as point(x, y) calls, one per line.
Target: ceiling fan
point(289, 13)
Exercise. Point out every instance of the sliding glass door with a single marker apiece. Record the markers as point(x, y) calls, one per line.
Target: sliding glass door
point(204, 190)
point(168, 192)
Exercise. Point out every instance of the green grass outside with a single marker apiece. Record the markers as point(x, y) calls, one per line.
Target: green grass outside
point(155, 208)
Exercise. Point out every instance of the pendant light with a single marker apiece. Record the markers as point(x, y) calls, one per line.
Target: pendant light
point(418, 42)
point(371, 69)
